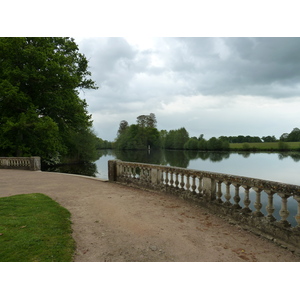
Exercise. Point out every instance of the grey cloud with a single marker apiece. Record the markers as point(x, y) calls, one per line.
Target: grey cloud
point(257, 66)
point(134, 81)
point(209, 66)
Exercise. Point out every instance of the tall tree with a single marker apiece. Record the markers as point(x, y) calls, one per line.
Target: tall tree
point(122, 127)
point(294, 135)
point(140, 135)
point(40, 108)
point(147, 121)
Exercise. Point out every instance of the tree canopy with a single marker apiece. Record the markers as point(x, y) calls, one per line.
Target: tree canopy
point(293, 136)
point(140, 135)
point(41, 112)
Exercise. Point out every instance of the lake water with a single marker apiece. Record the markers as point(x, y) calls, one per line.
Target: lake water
point(280, 167)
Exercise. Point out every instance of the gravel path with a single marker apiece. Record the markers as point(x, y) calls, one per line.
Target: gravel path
point(116, 223)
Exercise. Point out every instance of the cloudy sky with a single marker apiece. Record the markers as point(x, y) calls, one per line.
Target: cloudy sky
point(211, 86)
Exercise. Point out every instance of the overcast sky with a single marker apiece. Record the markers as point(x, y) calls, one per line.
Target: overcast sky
point(210, 86)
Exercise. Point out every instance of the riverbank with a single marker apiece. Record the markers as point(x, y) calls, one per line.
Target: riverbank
point(266, 146)
point(116, 223)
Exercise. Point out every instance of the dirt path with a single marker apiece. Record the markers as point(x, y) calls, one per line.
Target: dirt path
point(112, 222)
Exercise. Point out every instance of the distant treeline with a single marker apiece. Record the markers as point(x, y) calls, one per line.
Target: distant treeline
point(104, 144)
point(144, 134)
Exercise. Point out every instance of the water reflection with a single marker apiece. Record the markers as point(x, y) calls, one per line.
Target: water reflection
point(295, 156)
point(282, 167)
point(175, 158)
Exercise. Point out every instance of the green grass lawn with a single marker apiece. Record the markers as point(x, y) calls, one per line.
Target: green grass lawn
point(34, 228)
point(275, 146)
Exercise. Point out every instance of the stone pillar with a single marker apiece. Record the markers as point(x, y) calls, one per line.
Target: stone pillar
point(209, 188)
point(155, 176)
point(112, 170)
point(4, 162)
point(35, 163)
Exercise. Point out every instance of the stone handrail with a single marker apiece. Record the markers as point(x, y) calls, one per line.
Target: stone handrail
point(21, 163)
point(262, 201)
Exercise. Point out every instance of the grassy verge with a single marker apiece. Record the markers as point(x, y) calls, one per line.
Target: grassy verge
point(34, 227)
point(276, 146)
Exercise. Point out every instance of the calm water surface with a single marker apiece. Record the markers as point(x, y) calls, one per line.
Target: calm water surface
point(281, 167)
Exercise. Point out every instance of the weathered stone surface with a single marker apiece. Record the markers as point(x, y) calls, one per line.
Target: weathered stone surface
point(21, 163)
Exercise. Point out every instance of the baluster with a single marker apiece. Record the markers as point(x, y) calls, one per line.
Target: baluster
point(162, 179)
point(297, 217)
point(182, 181)
point(193, 184)
point(270, 207)
point(167, 179)
point(247, 201)
point(284, 213)
point(219, 192)
point(149, 175)
point(176, 180)
point(187, 182)
point(237, 197)
point(257, 203)
point(200, 188)
point(144, 174)
point(138, 173)
point(127, 171)
point(227, 194)
point(171, 179)
point(134, 173)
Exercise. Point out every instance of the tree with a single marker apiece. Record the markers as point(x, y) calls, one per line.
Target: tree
point(214, 144)
point(191, 144)
point(140, 135)
point(122, 127)
point(182, 136)
point(40, 108)
point(269, 138)
point(294, 135)
point(147, 121)
point(176, 139)
point(284, 137)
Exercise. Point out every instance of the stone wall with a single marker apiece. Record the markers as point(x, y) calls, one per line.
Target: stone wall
point(265, 207)
point(21, 163)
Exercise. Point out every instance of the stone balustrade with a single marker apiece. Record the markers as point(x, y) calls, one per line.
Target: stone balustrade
point(21, 163)
point(270, 209)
